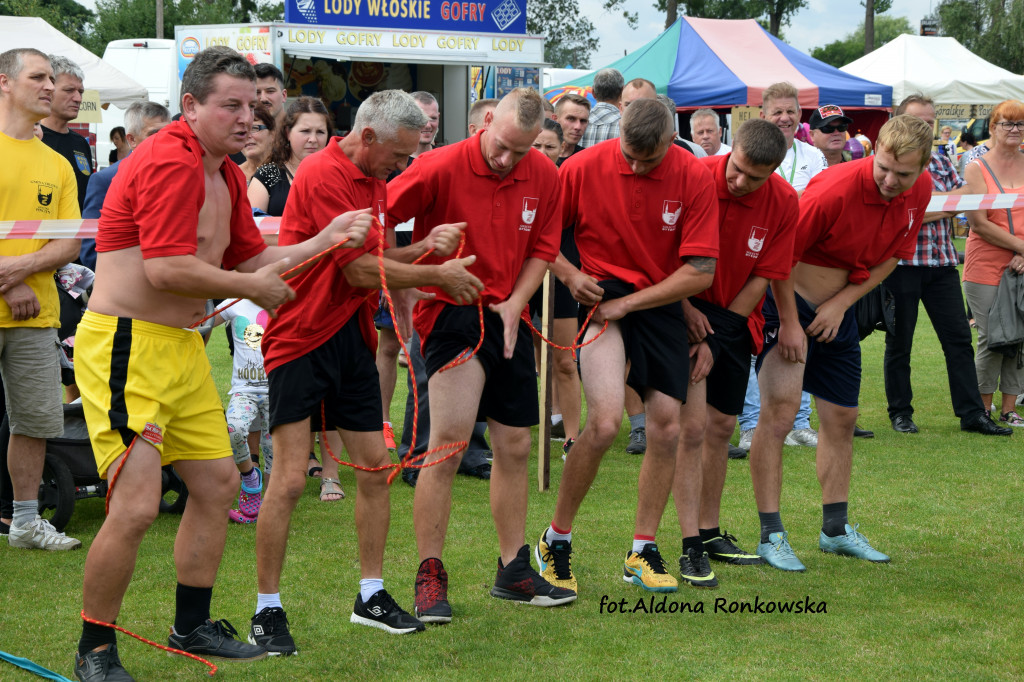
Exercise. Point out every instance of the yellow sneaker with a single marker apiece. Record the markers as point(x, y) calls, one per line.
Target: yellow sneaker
point(647, 570)
point(554, 562)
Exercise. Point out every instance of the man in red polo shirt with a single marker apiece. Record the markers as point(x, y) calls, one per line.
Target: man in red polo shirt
point(757, 214)
point(508, 194)
point(646, 224)
point(320, 353)
point(856, 222)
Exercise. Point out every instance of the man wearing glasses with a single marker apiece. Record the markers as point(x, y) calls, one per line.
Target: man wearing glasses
point(930, 276)
point(828, 132)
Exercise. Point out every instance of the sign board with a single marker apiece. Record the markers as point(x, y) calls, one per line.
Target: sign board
point(252, 41)
point(507, 78)
point(500, 16)
point(89, 112)
point(929, 27)
point(741, 115)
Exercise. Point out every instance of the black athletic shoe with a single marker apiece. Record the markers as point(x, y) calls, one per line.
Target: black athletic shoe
point(695, 569)
point(382, 612)
point(736, 452)
point(724, 549)
point(269, 629)
point(101, 666)
point(432, 592)
point(519, 582)
point(862, 433)
point(216, 639)
point(410, 476)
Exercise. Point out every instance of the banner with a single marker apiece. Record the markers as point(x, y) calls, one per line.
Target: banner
point(504, 16)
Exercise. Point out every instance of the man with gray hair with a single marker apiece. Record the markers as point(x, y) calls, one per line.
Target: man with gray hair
point(508, 193)
point(67, 98)
point(705, 131)
point(141, 120)
point(318, 352)
point(605, 115)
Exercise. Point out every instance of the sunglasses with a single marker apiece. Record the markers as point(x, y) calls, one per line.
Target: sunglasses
point(259, 128)
point(1010, 125)
point(834, 128)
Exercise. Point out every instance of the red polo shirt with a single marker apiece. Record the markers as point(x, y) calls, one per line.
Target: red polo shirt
point(756, 233)
point(638, 228)
point(845, 223)
point(155, 199)
point(327, 184)
point(509, 219)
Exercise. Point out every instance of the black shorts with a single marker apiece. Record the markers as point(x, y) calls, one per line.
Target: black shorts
point(341, 373)
point(832, 371)
point(566, 306)
point(655, 344)
point(510, 386)
point(730, 347)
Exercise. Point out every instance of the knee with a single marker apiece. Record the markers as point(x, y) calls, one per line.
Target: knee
point(665, 434)
point(603, 430)
point(691, 433)
point(564, 364)
point(288, 485)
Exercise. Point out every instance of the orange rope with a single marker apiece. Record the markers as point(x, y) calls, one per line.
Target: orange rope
point(576, 345)
point(168, 649)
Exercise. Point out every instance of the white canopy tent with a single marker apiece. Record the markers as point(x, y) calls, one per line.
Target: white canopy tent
point(114, 87)
point(940, 68)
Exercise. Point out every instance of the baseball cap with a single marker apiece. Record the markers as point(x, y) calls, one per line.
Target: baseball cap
point(826, 114)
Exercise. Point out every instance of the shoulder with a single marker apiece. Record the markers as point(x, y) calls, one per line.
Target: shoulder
point(269, 174)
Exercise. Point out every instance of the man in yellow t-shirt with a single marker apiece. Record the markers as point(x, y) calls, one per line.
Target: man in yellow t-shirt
point(36, 183)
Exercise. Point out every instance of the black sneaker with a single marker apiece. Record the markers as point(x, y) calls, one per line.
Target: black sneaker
point(432, 593)
point(724, 549)
point(269, 629)
point(695, 569)
point(216, 639)
point(519, 582)
point(410, 476)
point(382, 612)
point(101, 666)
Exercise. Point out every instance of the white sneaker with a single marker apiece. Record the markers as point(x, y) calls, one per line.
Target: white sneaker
point(808, 437)
point(746, 436)
point(41, 535)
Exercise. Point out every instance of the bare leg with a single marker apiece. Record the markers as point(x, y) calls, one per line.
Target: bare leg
point(567, 379)
point(658, 468)
point(509, 483)
point(291, 450)
point(373, 504)
point(198, 547)
point(25, 457)
point(686, 487)
point(715, 458)
point(387, 368)
point(780, 382)
point(835, 450)
point(330, 467)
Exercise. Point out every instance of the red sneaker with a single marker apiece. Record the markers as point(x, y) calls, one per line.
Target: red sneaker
point(389, 437)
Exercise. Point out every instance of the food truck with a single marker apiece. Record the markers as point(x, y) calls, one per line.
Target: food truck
point(344, 50)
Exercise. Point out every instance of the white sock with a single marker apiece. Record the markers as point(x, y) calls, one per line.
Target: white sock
point(553, 535)
point(638, 545)
point(268, 600)
point(25, 512)
point(556, 419)
point(369, 587)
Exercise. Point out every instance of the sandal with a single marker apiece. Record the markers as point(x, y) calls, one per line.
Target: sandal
point(331, 486)
point(314, 470)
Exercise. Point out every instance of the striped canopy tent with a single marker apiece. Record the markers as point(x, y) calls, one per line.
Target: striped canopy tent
point(721, 63)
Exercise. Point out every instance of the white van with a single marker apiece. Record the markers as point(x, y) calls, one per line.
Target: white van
point(150, 62)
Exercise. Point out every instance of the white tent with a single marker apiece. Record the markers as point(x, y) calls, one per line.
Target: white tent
point(114, 87)
point(941, 68)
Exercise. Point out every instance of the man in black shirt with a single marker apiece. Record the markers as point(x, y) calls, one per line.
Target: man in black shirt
point(67, 98)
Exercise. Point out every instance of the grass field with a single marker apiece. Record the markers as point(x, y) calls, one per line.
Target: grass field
point(945, 505)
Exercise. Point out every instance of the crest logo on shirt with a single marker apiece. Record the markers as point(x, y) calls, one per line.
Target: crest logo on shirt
point(44, 196)
point(910, 220)
point(530, 205)
point(755, 242)
point(381, 213)
point(84, 167)
point(44, 199)
point(670, 211)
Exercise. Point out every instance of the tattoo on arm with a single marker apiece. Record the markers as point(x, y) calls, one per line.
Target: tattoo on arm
point(702, 264)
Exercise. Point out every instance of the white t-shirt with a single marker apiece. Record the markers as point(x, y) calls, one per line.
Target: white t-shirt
point(802, 163)
point(723, 149)
point(246, 322)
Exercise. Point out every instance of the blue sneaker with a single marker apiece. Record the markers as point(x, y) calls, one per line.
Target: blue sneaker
point(851, 544)
point(779, 554)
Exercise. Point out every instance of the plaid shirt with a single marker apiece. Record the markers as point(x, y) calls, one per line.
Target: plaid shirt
point(935, 240)
point(604, 124)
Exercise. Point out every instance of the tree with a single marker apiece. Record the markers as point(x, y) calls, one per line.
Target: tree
point(67, 16)
point(849, 49)
point(777, 13)
point(871, 8)
point(569, 35)
point(991, 29)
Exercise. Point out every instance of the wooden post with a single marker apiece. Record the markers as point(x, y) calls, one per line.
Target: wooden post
point(544, 374)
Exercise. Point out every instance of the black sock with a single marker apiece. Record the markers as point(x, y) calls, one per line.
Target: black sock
point(693, 543)
point(95, 636)
point(710, 533)
point(833, 519)
point(192, 608)
point(771, 522)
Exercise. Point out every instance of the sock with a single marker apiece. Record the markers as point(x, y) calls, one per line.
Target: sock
point(369, 587)
point(707, 534)
point(556, 419)
point(191, 607)
point(833, 518)
point(693, 543)
point(640, 540)
point(638, 421)
point(770, 523)
point(251, 480)
point(25, 513)
point(95, 636)
point(554, 534)
point(264, 601)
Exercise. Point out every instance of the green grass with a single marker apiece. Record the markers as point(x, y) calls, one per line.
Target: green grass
point(945, 505)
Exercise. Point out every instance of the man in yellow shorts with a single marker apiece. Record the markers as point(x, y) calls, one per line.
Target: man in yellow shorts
point(176, 229)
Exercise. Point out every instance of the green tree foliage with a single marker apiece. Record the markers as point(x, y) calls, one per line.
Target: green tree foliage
point(569, 35)
point(851, 48)
point(67, 16)
point(772, 14)
point(991, 29)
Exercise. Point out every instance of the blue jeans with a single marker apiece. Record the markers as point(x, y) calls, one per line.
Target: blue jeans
point(752, 405)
